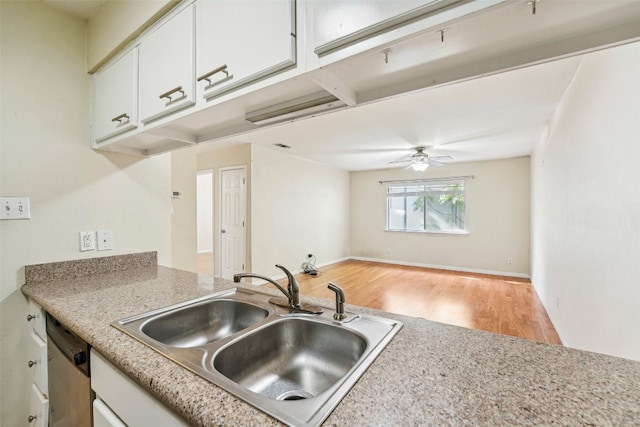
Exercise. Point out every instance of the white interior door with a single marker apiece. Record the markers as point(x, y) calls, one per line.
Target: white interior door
point(233, 208)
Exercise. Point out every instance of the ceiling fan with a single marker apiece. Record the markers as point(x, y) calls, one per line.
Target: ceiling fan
point(420, 161)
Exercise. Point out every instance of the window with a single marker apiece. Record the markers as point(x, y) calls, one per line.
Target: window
point(431, 206)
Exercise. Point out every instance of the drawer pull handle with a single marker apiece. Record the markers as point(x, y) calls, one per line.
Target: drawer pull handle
point(32, 418)
point(122, 118)
point(32, 363)
point(222, 68)
point(30, 317)
point(172, 92)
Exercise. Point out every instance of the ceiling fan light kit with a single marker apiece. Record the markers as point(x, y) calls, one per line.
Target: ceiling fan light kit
point(419, 166)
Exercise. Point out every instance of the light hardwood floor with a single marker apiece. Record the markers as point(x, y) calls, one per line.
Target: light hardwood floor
point(504, 305)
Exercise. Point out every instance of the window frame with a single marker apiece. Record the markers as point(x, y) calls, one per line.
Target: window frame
point(424, 193)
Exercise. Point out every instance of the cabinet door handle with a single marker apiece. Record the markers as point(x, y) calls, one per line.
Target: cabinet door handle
point(32, 418)
point(222, 68)
point(31, 363)
point(168, 93)
point(122, 118)
point(30, 317)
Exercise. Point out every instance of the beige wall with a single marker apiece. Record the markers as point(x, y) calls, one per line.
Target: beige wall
point(45, 155)
point(183, 218)
point(238, 155)
point(497, 202)
point(586, 207)
point(117, 23)
point(297, 207)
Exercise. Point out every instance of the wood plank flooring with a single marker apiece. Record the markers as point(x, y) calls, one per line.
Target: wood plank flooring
point(504, 305)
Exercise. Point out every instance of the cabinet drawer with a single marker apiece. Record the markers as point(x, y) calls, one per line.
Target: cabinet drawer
point(35, 315)
point(39, 409)
point(37, 355)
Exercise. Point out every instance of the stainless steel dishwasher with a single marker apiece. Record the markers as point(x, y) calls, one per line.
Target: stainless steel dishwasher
point(70, 395)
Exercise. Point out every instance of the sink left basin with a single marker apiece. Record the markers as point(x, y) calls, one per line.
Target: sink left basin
point(195, 323)
point(202, 323)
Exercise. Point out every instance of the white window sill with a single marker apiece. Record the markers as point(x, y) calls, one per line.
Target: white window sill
point(453, 233)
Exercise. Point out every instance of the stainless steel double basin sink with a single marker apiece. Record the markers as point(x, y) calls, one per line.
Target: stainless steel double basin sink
point(295, 367)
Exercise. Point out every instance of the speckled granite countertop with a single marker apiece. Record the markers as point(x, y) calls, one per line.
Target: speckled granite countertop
point(430, 374)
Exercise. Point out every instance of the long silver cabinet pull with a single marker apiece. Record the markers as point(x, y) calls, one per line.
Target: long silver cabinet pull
point(168, 93)
point(222, 68)
point(122, 118)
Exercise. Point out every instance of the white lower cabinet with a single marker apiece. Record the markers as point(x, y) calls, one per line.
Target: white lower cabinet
point(37, 362)
point(125, 400)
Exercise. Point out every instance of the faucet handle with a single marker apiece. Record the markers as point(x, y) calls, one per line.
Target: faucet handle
point(339, 314)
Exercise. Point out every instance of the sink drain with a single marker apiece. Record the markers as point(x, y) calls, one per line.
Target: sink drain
point(294, 395)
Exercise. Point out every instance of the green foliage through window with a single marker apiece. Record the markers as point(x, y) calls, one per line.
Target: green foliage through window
point(426, 206)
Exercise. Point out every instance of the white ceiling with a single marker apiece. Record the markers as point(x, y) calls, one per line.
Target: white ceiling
point(82, 8)
point(494, 117)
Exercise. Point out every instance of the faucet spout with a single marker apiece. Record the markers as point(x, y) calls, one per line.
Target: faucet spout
point(292, 292)
point(237, 277)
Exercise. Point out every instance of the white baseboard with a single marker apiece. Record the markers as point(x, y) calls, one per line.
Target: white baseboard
point(443, 267)
point(205, 252)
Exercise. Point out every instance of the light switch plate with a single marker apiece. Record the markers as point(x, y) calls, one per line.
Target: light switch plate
point(105, 240)
point(15, 208)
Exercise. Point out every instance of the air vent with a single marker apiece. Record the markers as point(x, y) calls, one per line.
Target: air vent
point(307, 106)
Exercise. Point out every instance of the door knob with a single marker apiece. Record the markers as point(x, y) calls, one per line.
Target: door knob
point(223, 231)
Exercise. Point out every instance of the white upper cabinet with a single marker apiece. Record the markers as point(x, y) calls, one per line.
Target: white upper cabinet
point(167, 67)
point(342, 23)
point(115, 97)
point(240, 42)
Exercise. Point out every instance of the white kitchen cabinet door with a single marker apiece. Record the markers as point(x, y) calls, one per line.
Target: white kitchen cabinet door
point(39, 409)
point(167, 69)
point(252, 38)
point(37, 362)
point(115, 97)
point(342, 23)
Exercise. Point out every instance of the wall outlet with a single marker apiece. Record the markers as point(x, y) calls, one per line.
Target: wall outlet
point(388, 251)
point(87, 241)
point(15, 208)
point(509, 260)
point(105, 240)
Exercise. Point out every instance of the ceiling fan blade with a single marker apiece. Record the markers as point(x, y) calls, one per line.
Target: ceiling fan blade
point(440, 158)
point(401, 161)
point(435, 163)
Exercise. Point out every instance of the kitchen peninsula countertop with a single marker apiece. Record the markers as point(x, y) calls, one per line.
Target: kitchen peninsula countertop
point(430, 373)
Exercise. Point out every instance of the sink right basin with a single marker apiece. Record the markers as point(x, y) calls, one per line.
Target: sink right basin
point(291, 359)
